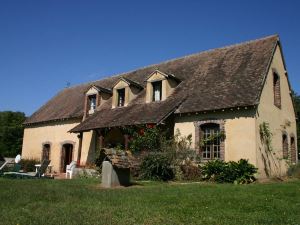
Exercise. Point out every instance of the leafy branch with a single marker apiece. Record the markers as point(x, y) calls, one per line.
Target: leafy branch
point(212, 138)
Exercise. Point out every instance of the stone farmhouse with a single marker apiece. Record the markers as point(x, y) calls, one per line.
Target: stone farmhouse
point(237, 90)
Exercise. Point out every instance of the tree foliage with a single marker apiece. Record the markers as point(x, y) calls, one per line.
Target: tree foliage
point(11, 133)
point(296, 99)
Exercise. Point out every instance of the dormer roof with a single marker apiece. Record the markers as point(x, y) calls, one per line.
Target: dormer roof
point(166, 75)
point(99, 89)
point(102, 89)
point(129, 82)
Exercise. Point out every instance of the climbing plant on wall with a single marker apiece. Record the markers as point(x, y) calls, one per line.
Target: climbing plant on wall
point(266, 135)
point(212, 138)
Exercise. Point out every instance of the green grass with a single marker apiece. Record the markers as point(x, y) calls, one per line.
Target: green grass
point(84, 202)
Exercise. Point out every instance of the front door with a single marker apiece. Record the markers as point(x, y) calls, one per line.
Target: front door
point(66, 156)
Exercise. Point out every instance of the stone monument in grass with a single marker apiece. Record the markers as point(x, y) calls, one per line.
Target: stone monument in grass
point(115, 169)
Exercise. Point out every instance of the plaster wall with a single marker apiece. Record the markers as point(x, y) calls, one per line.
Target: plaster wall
point(92, 91)
point(240, 141)
point(56, 134)
point(280, 120)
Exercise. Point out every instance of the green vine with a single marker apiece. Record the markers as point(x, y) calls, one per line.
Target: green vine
point(266, 135)
point(212, 138)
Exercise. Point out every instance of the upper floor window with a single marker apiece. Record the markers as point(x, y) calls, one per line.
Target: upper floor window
point(124, 91)
point(95, 96)
point(276, 90)
point(160, 86)
point(121, 97)
point(157, 91)
point(92, 99)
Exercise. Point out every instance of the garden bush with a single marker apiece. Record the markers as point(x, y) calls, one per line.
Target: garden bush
point(28, 165)
point(190, 172)
point(157, 166)
point(294, 171)
point(169, 157)
point(240, 172)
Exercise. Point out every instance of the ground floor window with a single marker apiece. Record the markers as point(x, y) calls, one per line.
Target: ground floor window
point(293, 150)
point(210, 141)
point(285, 146)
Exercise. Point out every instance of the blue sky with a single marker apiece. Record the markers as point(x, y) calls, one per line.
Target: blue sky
point(46, 44)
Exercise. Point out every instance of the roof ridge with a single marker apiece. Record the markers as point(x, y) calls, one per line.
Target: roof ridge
point(205, 51)
point(174, 59)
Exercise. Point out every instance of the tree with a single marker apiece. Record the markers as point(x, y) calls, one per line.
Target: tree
point(11, 133)
point(296, 99)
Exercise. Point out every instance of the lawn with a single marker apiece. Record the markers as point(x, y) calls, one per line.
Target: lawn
point(82, 201)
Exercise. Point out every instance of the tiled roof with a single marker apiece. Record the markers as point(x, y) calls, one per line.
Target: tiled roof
point(221, 78)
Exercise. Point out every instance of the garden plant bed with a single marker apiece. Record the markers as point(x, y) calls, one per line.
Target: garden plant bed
point(81, 201)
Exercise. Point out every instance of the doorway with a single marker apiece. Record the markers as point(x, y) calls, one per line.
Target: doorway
point(46, 152)
point(66, 156)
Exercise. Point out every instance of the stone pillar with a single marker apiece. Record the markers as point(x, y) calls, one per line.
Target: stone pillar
point(80, 135)
point(126, 138)
point(107, 170)
point(100, 138)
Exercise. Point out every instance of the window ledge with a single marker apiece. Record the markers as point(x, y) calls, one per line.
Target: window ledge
point(277, 106)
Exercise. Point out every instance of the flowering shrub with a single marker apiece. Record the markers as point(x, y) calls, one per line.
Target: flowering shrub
point(146, 138)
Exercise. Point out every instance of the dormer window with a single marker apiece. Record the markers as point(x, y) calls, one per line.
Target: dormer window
point(92, 99)
point(157, 91)
point(95, 96)
point(121, 97)
point(160, 86)
point(124, 91)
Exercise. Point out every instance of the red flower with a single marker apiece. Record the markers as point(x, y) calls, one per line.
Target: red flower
point(142, 131)
point(150, 125)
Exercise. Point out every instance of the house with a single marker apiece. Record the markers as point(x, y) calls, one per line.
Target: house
point(242, 91)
